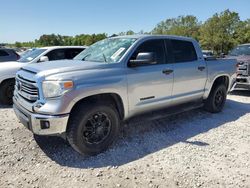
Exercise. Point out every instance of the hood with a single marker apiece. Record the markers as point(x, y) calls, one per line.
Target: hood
point(62, 66)
point(8, 66)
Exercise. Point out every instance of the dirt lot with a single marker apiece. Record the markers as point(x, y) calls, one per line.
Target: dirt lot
point(193, 149)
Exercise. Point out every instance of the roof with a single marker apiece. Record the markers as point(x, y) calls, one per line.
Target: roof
point(7, 49)
point(155, 36)
point(59, 47)
point(244, 44)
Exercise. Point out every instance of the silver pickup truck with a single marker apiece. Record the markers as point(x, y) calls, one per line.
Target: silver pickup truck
point(85, 99)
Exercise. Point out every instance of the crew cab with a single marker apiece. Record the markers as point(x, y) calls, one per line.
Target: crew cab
point(8, 69)
point(86, 99)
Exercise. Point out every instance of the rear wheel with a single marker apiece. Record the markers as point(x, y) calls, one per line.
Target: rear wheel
point(93, 128)
point(216, 99)
point(6, 92)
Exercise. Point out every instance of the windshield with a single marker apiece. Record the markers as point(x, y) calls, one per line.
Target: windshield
point(240, 50)
point(108, 50)
point(29, 56)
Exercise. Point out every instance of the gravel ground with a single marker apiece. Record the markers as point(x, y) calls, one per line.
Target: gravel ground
point(192, 149)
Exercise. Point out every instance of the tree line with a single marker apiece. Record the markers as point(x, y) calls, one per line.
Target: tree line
point(219, 33)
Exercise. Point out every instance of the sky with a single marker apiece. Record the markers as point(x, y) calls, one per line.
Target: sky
point(27, 20)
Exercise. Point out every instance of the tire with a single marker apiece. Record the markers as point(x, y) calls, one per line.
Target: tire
point(85, 129)
point(216, 99)
point(6, 92)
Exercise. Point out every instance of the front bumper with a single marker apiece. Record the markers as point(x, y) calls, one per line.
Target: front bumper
point(38, 123)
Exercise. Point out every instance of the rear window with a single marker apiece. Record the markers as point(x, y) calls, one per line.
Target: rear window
point(3, 53)
point(183, 51)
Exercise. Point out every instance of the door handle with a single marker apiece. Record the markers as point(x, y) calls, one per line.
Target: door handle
point(201, 68)
point(167, 71)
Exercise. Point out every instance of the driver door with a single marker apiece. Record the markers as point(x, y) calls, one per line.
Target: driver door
point(150, 86)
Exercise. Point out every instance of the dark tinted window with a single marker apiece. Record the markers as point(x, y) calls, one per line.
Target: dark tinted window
point(155, 46)
point(3, 53)
point(71, 53)
point(56, 54)
point(183, 51)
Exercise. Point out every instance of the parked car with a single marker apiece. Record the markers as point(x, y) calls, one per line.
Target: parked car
point(85, 100)
point(8, 69)
point(242, 54)
point(7, 54)
point(208, 54)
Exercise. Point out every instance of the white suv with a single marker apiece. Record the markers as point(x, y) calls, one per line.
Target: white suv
point(8, 69)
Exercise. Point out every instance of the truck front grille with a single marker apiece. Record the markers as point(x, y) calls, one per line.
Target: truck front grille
point(27, 89)
point(243, 69)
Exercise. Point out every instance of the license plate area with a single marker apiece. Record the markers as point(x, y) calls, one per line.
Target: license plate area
point(23, 118)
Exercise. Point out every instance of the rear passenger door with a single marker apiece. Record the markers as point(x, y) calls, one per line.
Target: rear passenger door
point(190, 73)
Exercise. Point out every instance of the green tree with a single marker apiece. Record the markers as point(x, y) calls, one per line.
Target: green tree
point(218, 32)
point(242, 34)
point(18, 44)
point(183, 26)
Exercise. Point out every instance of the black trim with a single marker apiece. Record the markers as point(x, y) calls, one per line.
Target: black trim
point(146, 98)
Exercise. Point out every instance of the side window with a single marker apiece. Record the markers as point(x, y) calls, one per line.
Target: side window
point(56, 54)
point(3, 53)
point(183, 51)
point(155, 46)
point(71, 53)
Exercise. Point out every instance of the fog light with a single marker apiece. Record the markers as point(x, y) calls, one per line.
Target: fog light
point(37, 106)
point(45, 124)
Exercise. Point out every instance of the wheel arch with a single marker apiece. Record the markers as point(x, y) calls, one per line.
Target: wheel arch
point(6, 80)
point(220, 79)
point(113, 98)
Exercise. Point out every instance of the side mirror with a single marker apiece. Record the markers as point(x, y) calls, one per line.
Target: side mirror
point(145, 58)
point(43, 59)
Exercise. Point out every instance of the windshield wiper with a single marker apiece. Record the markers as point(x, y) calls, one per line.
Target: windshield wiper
point(83, 59)
point(104, 57)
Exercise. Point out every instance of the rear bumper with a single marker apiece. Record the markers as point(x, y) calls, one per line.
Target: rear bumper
point(41, 124)
point(241, 83)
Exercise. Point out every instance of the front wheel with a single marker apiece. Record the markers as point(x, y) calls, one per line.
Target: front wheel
point(217, 98)
point(93, 128)
point(6, 92)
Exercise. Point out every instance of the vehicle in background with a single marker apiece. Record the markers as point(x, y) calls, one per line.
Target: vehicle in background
point(242, 54)
point(7, 54)
point(86, 99)
point(208, 54)
point(8, 69)
point(22, 52)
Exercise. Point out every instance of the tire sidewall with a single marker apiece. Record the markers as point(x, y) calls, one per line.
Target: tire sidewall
point(223, 89)
point(4, 98)
point(92, 149)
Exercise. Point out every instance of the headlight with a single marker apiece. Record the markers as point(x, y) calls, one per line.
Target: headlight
point(53, 89)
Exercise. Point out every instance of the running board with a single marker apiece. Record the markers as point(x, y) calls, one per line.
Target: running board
point(166, 112)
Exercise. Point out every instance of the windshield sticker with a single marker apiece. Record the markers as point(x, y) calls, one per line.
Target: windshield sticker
point(29, 58)
point(117, 53)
